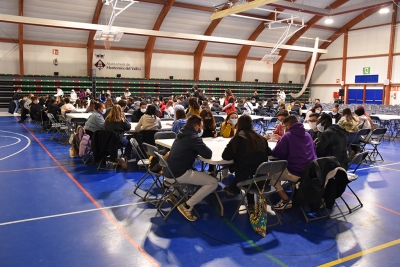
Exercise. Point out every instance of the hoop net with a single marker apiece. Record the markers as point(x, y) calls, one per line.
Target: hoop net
point(269, 63)
point(107, 44)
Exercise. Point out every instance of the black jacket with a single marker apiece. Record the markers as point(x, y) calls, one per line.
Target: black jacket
point(105, 143)
point(137, 114)
point(55, 110)
point(118, 127)
point(337, 117)
point(35, 111)
point(333, 142)
point(186, 147)
point(16, 96)
point(296, 108)
point(312, 184)
point(245, 162)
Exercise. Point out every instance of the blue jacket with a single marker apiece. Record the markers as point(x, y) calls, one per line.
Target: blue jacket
point(177, 125)
point(297, 147)
point(186, 147)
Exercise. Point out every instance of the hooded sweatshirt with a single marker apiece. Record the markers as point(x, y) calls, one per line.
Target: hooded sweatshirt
point(148, 122)
point(297, 147)
point(186, 147)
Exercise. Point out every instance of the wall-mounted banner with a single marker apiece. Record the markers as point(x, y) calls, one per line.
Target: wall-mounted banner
point(366, 70)
point(113, 65)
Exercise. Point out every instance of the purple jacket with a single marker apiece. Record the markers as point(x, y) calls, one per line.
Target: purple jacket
point(297, 147)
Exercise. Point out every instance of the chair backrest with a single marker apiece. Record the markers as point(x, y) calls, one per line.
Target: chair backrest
point(222, 113)
point(163, 163)
point(354, 138)
point(266, 169)
point(358, 159)
point(148, 136)
point(51, 118)
point(149, 149)
point(138, 150)
point(165, 135)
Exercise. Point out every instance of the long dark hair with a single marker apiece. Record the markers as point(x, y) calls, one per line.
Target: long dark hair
point(255, 142)
point(203, 114)
point(347, 114)
point(151, 111)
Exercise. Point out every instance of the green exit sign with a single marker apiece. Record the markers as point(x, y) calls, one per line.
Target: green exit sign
point(366, 70)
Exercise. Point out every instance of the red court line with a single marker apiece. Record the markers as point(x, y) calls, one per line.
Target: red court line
point(377, 205)
point(97, 204)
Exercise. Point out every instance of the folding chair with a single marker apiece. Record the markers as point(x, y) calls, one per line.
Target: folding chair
point(218, 122)
point(354, 139)
point(105, 145)
point(270, 124)
point(164, 135)
point(181, 189)
point(358, 159)
point(375, 140)
point(150, 151)
point(58, 127)
point(65, 130)
point(263, 174)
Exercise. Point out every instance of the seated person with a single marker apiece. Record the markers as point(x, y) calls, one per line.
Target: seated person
point(137, 114)
point(53, 108)
point(297, 147)
point(348, 121)
point(116, 121)
point(278, 132)
point(297, 107)
point(316, 109)
point(36, 108)
point(368, 117)
point(228, 127)
point(248, 150)
point(312, 121)
point(185, 149)
point(332, 140)
point(96, 120)
point(67, 106)
point(363, 122)
point(149, 121)
point(180, 120)
point(216, 107)
point(209, 129)
point(335, 114)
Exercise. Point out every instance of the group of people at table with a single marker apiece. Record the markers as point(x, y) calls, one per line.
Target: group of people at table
point(248, 149)
point(327, 136)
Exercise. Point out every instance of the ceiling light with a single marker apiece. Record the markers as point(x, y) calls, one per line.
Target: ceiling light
point(328, 20)
point(384, 10)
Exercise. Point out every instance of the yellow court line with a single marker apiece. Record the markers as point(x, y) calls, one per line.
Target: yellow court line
point(361, 253)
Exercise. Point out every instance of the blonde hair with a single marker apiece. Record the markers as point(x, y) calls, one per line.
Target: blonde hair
point(108, 103)
point(115, 114)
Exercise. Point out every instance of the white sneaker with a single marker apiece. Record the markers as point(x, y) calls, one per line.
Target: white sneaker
point(16, 114)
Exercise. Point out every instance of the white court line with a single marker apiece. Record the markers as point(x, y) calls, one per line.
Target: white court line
point(29, 143)
point(377, 166)
point(72, 213)
point(19, 140)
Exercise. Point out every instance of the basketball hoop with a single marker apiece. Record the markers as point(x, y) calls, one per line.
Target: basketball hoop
point(269, 64)
point(107, 44)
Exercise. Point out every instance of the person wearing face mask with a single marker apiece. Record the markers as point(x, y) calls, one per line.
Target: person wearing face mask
point(228, 127)
point(332, 140)
point(149, 121)
point(209, 124)
point(179, 120)
point(312, 121)
point(156, 104)
point(96, 120)
point(316, 109)
point(187, 146)
point(335, 114)
point(36, 108)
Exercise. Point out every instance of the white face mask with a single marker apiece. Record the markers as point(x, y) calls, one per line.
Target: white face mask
point(320, 128)
point(143, 110)
point(200, 133)
point(334, 113)
point(234, 121)
point(317, 111)
point(104, 111)
point(313, 125)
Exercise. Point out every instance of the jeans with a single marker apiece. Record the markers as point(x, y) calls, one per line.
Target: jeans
point(16, 106)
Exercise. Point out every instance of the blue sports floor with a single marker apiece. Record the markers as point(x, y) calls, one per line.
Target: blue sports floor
point(56, 211)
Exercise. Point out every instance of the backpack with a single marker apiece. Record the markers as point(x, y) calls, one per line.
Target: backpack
point(82, 141)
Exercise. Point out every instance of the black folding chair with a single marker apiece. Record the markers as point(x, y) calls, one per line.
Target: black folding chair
point(375, 139)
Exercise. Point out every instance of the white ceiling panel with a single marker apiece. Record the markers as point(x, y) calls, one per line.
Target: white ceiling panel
point(71, 10)
point(205, 3)
point(129, 41)
point(234, 27)
point(258, 52)
point(298, 56)
point(222, 49)
point(9, 7)
point(8, 30)
point(139, 15)
point(175, 45)
point(375, 19)
point(185, 20)
point(48, 34)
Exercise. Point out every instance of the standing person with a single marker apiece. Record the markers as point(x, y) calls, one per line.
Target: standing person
point(248, 150)
point(228, 127)
point(137, 114)
point(82, 94)
point(282, 95)
point(96, 120)
point(127, 93)
point(187, 146)
point(59, 93)
point(229, 102)
point(73, 97)
point(297, 147)
point(196, 92)
point(194, 107)
point(255, 97)
point(116, 122)
point(16, 97)
point(149, 121)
